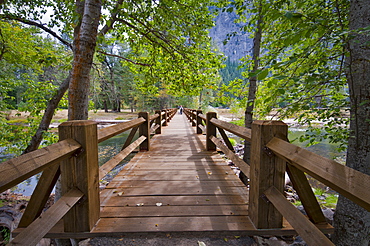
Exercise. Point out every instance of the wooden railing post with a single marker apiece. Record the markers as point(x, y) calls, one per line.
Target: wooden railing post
point(158, 121)
point(210, 131)
point(165, 117)
point(266, 170)
point(144, 130)
point(193, 117)
point(81, 171)
point(199, 121)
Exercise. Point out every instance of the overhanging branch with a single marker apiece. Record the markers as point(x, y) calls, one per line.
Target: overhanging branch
point(39, 25)
point(123, 58)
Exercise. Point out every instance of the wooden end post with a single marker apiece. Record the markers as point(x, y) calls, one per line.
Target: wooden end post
point(266, 170)
point(199, 121)
point(210, 131)
point(144, 130)
point(158, 121)
point(81, 171)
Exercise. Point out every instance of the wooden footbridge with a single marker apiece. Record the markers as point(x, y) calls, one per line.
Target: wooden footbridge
point(177, 182)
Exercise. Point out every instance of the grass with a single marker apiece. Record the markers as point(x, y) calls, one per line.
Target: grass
point(324, 198)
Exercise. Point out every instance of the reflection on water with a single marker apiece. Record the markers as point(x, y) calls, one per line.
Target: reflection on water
point(107, 150)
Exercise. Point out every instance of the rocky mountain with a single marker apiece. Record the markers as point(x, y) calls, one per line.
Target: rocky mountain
point(238, 44)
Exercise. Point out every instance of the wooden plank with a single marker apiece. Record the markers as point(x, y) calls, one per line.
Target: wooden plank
point(154, 128)
point(178, 175)
point(175, 224)
point(347, 181)
point(147, 183)
point(40, 195)
point(201, 127)
point(306, 195)
point(244, 167)
point(109, 165)
point(81, 171)
point(193, 200)
point(111, 131)
point(164, 189)
point(240, 131)
point(38, 229)
point(202, 116)
point(153, 117)
point(265, 171)
point(170, 211)
point(25, 166)
point(308, 231)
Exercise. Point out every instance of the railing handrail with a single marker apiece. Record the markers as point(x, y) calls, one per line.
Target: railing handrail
point(20, 168)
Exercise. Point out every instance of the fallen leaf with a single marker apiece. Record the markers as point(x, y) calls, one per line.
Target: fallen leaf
point(209, 173)
point(225, 239)
point(201, 243)
point(237, 237)
point(156, 225)
point(140, 204)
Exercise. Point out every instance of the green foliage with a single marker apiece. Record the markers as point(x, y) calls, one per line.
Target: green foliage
point(5, 234)
point(301, 73)
point(27, 81)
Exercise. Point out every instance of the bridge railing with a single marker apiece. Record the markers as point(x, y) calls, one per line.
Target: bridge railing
point(75, 159)
point(271, 156)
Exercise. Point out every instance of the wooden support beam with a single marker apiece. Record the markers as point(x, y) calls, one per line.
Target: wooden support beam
point(40, 195)
point(226, 139)
point(109, 165)
point(306, 195)
point(347, 181)
point(308, 231)
point(130, 137)
point(42, 225)
point(16, 170)
point(144, 130)
point(266, 170)
point(111, 131)
point(82, 172)
point(210, 131)
point(244, 167)
point(240, 131)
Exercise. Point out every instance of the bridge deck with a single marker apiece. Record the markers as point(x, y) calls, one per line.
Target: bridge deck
point(177, 186)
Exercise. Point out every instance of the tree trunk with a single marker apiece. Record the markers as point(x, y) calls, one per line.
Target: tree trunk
point(47, 117)
point(352, 222)
point(83, 48)
point(253, 81)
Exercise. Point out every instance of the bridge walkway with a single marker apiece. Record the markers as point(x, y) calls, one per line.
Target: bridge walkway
point(177, 186)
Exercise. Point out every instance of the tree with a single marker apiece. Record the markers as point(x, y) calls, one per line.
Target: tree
point(352, 222)
point(164, 35)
